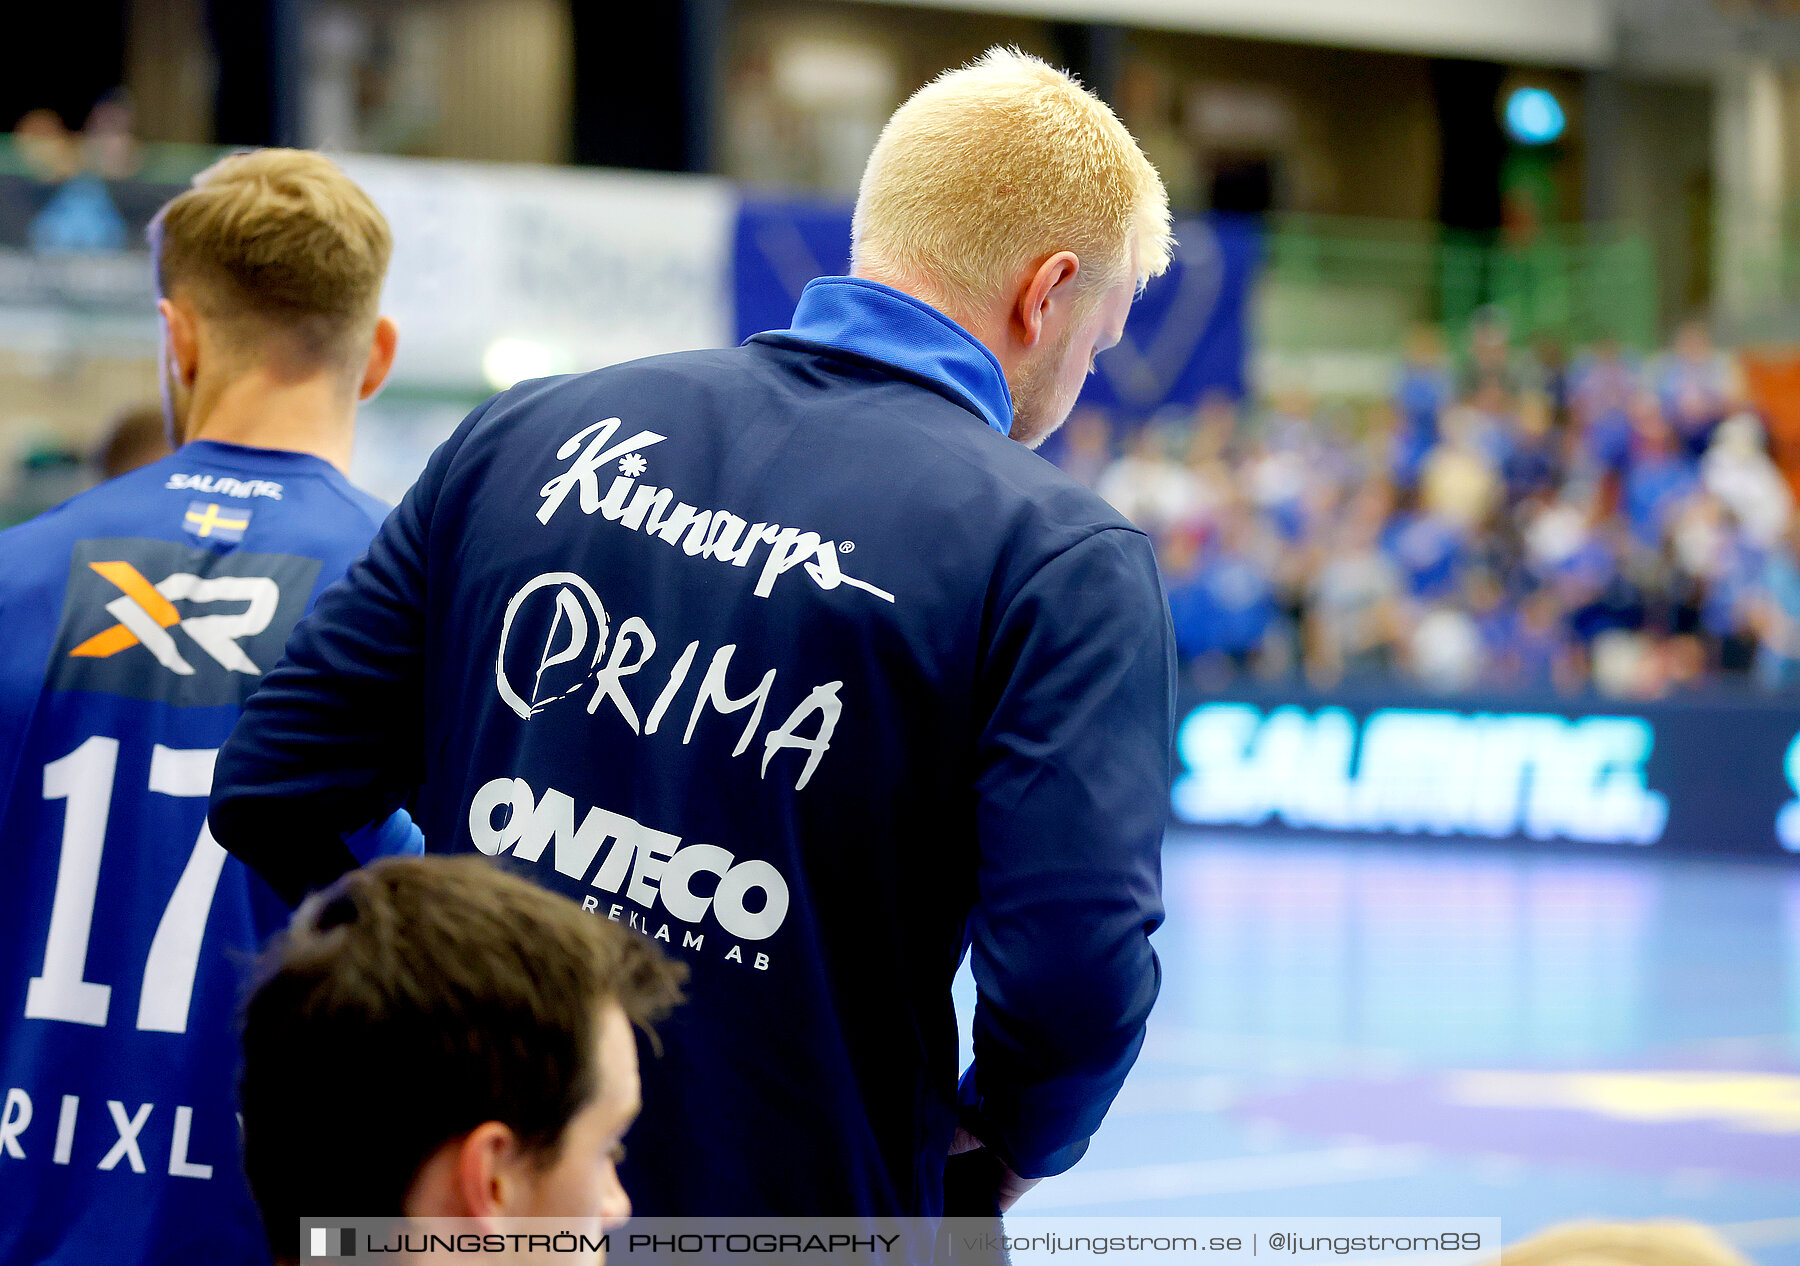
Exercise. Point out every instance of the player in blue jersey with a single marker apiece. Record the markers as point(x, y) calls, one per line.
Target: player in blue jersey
point(139, 616)
point(795, 658)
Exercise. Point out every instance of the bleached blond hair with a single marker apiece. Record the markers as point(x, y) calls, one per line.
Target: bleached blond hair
point(1660, 1243)
point(1001, 162)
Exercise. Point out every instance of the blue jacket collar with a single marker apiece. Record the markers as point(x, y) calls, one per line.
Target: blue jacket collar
point(877, 322)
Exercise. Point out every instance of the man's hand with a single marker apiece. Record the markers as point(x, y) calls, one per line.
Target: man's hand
point(1010, 1186)
point(964, 1142)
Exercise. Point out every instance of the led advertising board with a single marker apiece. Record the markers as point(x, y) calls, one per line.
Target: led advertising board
point(1713, 775)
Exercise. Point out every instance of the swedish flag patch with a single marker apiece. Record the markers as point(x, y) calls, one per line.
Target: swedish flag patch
point(209, 522)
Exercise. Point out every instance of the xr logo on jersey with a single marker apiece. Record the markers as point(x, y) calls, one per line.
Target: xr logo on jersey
point(146, 614)
point(119, 628)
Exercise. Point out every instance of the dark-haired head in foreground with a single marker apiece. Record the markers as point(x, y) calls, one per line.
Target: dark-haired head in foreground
point(436, 1037)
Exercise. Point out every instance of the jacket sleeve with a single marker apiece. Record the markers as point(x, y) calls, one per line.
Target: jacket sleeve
point(333, 739)
point(1072, 777)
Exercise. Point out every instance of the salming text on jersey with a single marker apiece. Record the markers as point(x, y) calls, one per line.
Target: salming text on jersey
point(225, 485)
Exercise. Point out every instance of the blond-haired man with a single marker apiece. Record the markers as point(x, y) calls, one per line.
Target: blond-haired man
point(139, 617)
point(796, 659)
point(972, 180)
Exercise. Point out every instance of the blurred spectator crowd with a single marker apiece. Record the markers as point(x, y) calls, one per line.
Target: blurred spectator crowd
point(1507, 520)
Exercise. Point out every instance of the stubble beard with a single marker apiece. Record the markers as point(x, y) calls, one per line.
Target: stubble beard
point(1034, 393)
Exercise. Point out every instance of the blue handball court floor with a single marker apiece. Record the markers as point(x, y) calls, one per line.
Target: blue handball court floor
point(1357, 1029)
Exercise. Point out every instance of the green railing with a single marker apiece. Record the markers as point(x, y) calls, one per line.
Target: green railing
point(1757, 282)
point(159, 162)
point(1336, 284)
point(1333, 283)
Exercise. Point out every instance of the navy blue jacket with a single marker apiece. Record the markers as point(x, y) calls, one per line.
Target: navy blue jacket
point(787, 657)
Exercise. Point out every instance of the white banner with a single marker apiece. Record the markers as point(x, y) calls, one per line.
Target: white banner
point(503, 272)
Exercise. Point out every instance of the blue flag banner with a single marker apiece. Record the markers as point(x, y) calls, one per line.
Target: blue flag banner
point(779, 247)
point(1188, 335)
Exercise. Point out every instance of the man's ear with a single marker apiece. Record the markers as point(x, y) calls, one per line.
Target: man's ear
point(183, 332)
point(1048, 286)
point(486, 1164)
point(381, 358)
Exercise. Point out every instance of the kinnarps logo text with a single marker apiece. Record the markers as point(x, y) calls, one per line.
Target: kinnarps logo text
point(716, 534)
